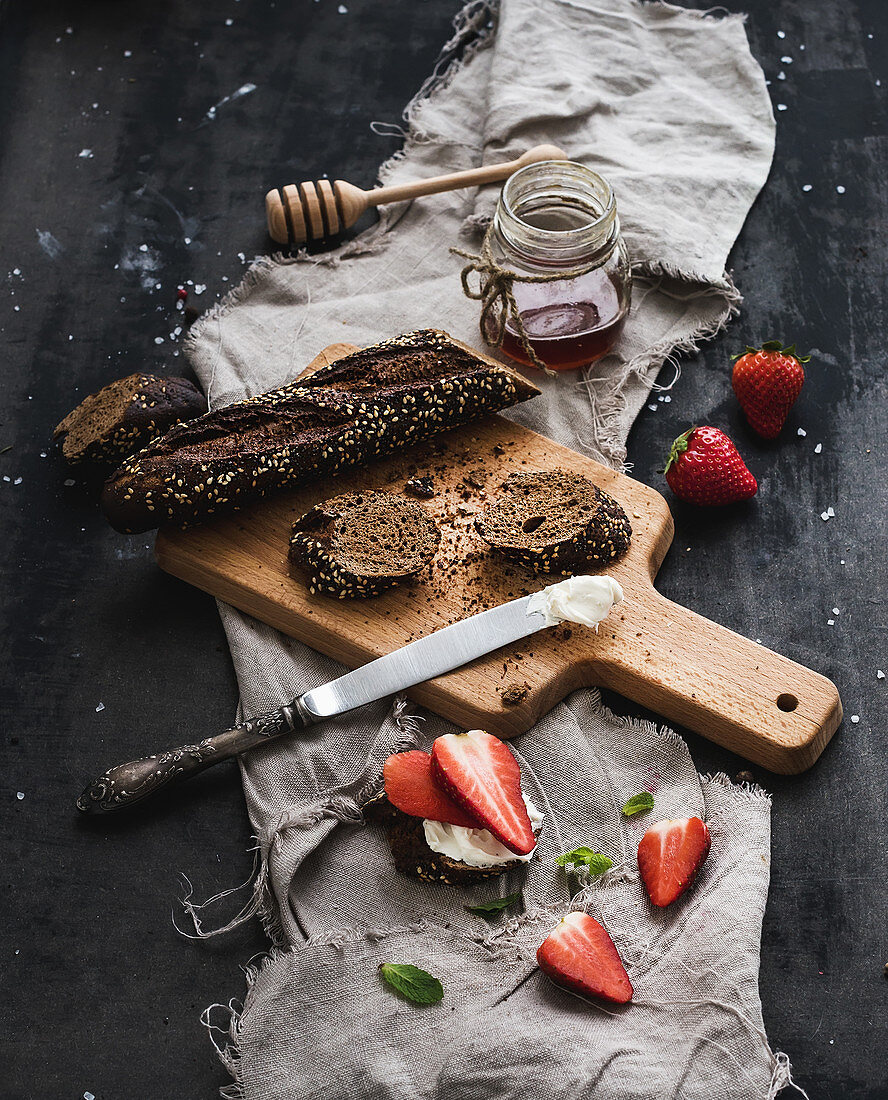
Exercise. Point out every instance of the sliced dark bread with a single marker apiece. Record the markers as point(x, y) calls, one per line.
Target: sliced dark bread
point(555, 522)
point(358, 544)
point(413, 856)
point(350, 411)
point(124, 416)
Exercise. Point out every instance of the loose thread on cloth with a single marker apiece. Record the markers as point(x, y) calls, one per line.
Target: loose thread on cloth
point(497, 296)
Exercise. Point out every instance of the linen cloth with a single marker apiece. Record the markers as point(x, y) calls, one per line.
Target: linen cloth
point(672, 108)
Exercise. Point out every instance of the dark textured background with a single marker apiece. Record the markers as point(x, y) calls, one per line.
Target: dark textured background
point(101, 993)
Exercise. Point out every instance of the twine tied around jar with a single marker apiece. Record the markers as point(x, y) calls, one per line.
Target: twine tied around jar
point(495, 292)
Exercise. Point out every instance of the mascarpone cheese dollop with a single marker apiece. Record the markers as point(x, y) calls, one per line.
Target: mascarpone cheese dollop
point(476, 847)
point(584, 600)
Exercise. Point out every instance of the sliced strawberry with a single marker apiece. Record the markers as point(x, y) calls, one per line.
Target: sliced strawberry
point(410, 785)
point(580, 955)
point(481, 774)
point(670, 855)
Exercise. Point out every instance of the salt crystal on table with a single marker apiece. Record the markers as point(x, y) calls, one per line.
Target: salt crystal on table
point(127, 53)
point(143, 247)
point(16, 271)
point(818, 448)
point(69, 482)
point(781, 34)
point(836, 611)
point(781, 106)
point(229, 22)
point(100, 708)
point(840, 189)
point(824, 516)
point(830, 512)
point(88, 1096)
point(807, 187)
point(781, 75)
point(20, 795)
point(855, 718)
point(653, 408)
point(786, 60)
point(830, 622)
point(342, 9)
point(880, 675)
point(17, 481)
point(802, 432)
point(188, 240)
point(158, 339)
point(667, 398)
point(199, 288)
point(85, 153)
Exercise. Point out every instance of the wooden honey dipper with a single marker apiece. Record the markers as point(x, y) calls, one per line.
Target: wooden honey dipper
point(313, 211)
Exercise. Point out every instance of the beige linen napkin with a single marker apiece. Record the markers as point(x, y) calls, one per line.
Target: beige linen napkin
point(671, 107)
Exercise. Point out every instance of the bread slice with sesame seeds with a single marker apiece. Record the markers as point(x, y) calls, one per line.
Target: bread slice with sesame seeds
point(351, 411)
point(414, 857)
point(359, 544)
point(124, 416)
point(555, 522)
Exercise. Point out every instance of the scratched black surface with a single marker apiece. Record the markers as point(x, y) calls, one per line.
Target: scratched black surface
point(108, 145)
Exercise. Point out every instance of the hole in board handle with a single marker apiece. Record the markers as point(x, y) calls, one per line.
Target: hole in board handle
point(787, 702)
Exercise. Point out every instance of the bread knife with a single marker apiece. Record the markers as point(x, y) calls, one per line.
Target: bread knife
point(436, 653)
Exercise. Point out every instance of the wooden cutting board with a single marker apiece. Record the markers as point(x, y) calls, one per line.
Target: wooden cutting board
point(731, 690)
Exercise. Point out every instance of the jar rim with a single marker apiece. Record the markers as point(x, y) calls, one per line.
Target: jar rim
point(543, 169)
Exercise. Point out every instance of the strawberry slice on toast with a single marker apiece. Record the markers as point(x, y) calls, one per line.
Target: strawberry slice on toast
point(481, 774)
point(579, 955)
point(410, 786)
point(670, 855)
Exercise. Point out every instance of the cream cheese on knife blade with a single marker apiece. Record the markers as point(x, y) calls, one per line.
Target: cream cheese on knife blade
point(584, 600)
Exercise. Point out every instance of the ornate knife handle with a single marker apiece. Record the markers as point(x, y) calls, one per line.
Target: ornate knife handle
point(128, 783)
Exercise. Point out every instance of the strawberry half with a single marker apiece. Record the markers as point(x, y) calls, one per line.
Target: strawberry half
point(767, 382)
point(579, 955)
point(704, 467)
point(410, 786)
point(669, 857)
point(481, 774)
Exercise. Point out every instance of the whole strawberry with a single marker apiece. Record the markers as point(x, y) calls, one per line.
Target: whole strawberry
point(704, 467)
point(767, 381)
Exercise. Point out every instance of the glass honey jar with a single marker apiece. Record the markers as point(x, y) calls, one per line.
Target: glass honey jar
point(556, 231)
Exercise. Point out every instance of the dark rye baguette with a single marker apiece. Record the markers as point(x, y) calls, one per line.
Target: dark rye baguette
point(555, 522)
point(359, 408)
point(359, 544)
point(414, 857)
point(124, 416)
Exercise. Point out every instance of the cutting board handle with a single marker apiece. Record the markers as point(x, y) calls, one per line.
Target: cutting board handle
point(721, 685)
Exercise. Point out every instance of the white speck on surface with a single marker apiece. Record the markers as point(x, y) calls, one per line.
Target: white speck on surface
point(16, 271)
point(801, 45)
point(127, 53)
point(20, 795)
point(100, 708)
point(158, 339)
point(653, 408)
point(143, 247)
point(781, 75)
point(830, 622)
point(199, 288)
point(830, 512)
point(85, 153)
point(841, 561)
point(17, 481)
point(806, 187)
point(49, 244)
point(88, 1096)
point(786, 60)
point(229, 22)
point(43, 454)
point(69, 482)
point(244, 89)
point(855, 718)
point(840, 190)
point(667, 399)
point(836, 611)
point(188, 240)
point(342, 9)
point(6, 477)
point(781, 106)
point(802, 432)
point(880, 675)
point(818, 448)
point(781, 34)
point(16, 309)
point(824, 516)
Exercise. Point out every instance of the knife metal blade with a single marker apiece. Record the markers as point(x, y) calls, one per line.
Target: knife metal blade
point(436, 653)
point(428, 657)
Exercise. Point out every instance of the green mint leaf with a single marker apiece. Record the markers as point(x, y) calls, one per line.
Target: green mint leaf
point(495, 906)
point(416, 985)
point(594, 862)
point(638, 804)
